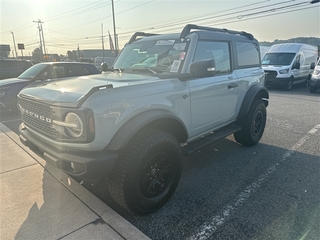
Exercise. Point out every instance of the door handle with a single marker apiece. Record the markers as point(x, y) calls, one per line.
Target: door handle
point(232, 85)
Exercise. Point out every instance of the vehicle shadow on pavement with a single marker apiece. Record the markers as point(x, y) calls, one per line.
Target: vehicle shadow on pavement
point(264, 195)
point(56, 211)
point(238, 192)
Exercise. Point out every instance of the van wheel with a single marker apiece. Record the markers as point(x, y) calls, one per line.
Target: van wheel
point(144, 179)
point(252, 125)
point(312, 89)
point(307, 82)
point(288, 87)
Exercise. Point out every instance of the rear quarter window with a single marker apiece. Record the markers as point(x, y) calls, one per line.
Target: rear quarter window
point(82, 69)
point(91, 69)
point(247, 54)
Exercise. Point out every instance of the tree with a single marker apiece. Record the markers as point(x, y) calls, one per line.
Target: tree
point(37, 55)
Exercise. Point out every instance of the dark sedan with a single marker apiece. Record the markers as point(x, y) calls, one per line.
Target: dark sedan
point(10, 68)
point(9, 88)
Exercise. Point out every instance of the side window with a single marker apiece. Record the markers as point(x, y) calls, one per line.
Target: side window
point(45, 74)
point(219, 51)
point(248, 54)
point(90, 69)
point(58, 71)
point(76, 70)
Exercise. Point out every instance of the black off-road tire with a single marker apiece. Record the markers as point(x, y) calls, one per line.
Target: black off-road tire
point(146, 176)
point(252, 125)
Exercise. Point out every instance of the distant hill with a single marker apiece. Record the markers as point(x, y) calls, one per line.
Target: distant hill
point(307, 40)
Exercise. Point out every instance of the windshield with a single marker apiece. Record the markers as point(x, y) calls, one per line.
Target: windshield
point(32, 72)
point(157, 56)
point(283, 59)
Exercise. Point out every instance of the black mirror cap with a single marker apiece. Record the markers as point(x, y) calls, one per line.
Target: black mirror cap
point(312, 65)
point(296, 65)
point(104, 67)
point(204, 68)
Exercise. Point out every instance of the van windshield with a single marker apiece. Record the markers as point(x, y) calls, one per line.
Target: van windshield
point(156, 56)
point(283, 59)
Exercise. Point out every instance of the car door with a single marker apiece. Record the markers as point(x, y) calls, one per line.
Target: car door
point(213, 99)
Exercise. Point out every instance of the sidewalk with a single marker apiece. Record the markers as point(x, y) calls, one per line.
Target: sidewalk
point(38, 201)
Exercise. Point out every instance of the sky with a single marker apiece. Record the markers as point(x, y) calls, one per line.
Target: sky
point(68, 24)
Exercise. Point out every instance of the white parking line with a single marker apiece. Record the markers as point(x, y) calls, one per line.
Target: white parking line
point(208, 228)
point(12, 120)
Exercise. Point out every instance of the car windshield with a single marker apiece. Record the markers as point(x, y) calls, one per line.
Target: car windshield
point(32, 72)
point(156, 56)
point(283, 59)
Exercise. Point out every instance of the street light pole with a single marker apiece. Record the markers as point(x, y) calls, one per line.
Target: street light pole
point(114, 30)
point(14, 43)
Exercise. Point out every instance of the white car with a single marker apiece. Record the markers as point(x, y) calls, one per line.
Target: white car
point(315, 78)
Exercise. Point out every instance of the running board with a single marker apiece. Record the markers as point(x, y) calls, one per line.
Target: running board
point(207, 140)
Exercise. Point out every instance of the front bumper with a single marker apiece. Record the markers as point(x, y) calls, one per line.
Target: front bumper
point(85, 165)
point(277, 82)
point(315, 82)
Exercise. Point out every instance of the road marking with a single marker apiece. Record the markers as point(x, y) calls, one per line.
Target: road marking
point(18, 119)
point(208, 228)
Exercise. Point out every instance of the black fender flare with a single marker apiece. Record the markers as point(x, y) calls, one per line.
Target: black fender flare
point(160, 118)
point(256, 91)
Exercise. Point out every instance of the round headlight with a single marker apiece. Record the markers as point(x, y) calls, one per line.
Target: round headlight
point(74, 125)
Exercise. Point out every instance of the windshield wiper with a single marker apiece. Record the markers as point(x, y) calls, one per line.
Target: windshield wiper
point(112, 69)
point(142, 70)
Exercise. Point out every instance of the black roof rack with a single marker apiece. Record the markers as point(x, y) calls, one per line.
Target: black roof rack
point(140, 34)
point(186, 30)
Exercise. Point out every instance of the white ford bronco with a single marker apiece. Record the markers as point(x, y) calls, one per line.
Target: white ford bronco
point(166, 96)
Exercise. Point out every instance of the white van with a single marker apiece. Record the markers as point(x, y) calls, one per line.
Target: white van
point(288, 64)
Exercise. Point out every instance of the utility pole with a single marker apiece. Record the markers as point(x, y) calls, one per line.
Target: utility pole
point(42, 45)
point(102, 39)
point(14, 43)
point(114, 30)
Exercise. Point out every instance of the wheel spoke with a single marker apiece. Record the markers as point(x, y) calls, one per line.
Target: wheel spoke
point(156, 174)
point(257, 123)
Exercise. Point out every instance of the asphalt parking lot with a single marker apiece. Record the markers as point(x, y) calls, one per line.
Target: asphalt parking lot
point(227, 191)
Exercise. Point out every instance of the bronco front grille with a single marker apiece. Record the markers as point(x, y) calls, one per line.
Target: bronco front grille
point(37, 116)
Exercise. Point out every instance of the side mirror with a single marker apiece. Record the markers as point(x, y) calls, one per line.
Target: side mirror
point(104, 67)
point(296, 65)
point(312, 65)
point(205, 68)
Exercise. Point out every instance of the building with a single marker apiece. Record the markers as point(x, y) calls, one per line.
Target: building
point(88, 55)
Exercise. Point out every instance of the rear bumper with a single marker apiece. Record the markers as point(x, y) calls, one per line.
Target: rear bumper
point(89, 166)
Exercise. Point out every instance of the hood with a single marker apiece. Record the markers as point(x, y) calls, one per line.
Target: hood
point(70, 91)
point(10, 81)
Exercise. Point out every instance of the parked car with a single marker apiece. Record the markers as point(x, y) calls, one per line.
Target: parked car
point(127, 128)
point(9, 88)
point(288, 64)
point(315, 78)
point(10, 68)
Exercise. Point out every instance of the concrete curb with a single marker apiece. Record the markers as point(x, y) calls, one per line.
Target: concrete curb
point(120, 225)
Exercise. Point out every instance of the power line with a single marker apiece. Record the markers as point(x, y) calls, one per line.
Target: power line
point(237, 14)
